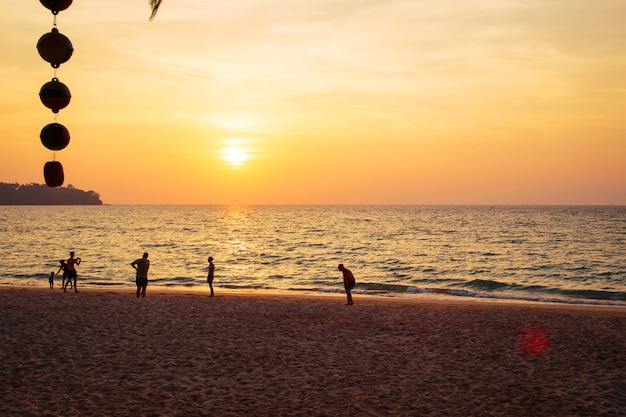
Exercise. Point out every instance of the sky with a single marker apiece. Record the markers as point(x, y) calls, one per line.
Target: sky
point(325, 101)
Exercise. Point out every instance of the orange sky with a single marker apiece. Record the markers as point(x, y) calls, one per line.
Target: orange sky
point(331, 102)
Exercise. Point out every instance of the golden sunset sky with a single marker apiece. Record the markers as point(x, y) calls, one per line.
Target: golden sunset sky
point(326, 101)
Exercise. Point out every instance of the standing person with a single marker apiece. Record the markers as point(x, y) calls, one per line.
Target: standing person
point(71, 265)
point(141, 266)
point(348, 282)
point(63, 268)
point(209, 278)
point(51, 279)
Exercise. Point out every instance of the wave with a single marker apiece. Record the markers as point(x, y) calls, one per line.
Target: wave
point(479, 289)
point(488, 285)
point(172, 282)
point(487, 289)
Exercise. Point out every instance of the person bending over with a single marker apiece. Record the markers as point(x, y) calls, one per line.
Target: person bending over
point(348, 282)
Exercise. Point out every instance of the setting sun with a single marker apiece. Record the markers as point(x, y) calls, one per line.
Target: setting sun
point(235, 155)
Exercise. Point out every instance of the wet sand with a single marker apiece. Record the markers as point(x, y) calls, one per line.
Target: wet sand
point(181, 353)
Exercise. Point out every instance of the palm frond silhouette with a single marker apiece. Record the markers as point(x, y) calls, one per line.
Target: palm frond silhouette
point(154, 4)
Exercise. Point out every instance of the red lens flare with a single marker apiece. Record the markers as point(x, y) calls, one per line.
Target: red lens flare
point(532, 340)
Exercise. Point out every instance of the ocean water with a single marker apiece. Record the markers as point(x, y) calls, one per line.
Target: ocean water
point(534, 253)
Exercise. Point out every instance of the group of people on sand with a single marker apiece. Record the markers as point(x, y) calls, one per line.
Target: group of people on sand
point(69, 273)
point(142, 265)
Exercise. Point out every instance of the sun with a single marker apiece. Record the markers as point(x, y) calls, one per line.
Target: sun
point(235, 155)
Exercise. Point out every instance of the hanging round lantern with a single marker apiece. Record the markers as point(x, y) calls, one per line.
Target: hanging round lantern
point(55, 48)
point(55, 95)
point(55, 136)
point(56, 5)
point(53, 174)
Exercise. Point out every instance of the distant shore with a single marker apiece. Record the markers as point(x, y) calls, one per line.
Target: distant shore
point(103, 352)
point(13, 194)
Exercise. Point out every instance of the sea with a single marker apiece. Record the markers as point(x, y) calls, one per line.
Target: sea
point(555, 254)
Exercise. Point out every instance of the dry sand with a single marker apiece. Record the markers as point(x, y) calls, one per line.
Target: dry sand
point(177, 353)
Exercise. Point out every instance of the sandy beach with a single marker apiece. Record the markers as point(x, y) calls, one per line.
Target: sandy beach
point(177, 353)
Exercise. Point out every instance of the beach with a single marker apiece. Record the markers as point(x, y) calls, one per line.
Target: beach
point(102, 352)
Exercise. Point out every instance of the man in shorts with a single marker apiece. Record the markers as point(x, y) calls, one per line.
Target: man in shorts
point(71, 265)
point(141, 266)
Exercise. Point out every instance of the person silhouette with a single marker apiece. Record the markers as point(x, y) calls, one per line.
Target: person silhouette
point(63, 268)
point(141, 266)
point(210, 276)
point(348, 282)
point(71, 264)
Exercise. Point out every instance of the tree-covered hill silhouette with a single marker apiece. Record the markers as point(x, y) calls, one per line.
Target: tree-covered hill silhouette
point(40, 194)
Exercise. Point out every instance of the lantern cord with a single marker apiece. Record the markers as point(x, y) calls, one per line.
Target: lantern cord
point(54, 20)
point(54, 156)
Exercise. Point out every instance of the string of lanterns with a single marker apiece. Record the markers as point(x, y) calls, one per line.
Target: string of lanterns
point(56, 49)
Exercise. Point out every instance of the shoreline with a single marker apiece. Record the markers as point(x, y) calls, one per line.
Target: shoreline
point(420, 298)
point(103, 352)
